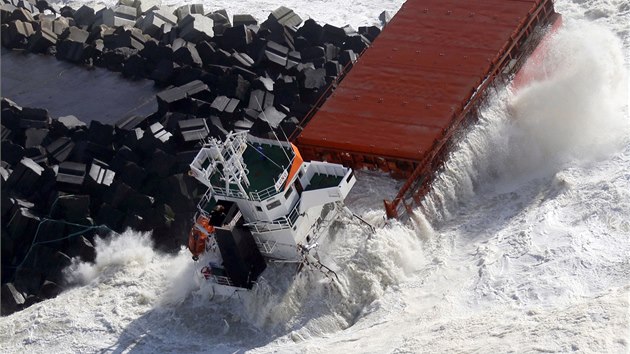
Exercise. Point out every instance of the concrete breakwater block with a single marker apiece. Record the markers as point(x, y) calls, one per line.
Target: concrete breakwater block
point(153, 22)
point(195, 27)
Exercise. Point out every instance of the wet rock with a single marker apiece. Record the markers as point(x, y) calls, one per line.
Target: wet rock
point(16, 34)
point(185, 53)
point(207, 52)
point(195, 27)
point(314, 78)
point(347, 58)
point(67, 12)
point(11, 153)
point(185, 10)
point(237, 37)
point(99, 133)
point(25, 177)
point(333, 68)
point(154, 21)
point(135, 67)
point(225, 106)
point(72, 208)
point(163, 72)
point(125, 37)
point(100, 173)
point(38, 154)
point(243, 60)
point(384, 17)
point(60, 149)
point(59, 25)
point(6, 11)
point(82, 247)
point(259, 100)
point(42, 40)
point(72, 45)
point(131, 122)
point(161, 164)
point(370, 32)
point(71, 176)
point(276, 53)
point(221, 21)
point(50, 290)
point(12, 299)
point(244, 19)
point(22, 14)
point(193, 129)
point(133, 175)
point(35, 137)
point(110, 217)
point(84, 16)
point(120, 15)
point(356, 43)
point(284, 16)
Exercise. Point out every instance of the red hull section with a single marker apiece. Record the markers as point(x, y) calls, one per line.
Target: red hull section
point(420, 81)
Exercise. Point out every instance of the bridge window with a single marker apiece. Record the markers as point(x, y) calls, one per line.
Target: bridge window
point(273, 205)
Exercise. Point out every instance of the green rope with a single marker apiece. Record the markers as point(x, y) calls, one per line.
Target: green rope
point(78, 233)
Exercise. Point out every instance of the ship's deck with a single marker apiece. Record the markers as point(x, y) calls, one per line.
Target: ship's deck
point(265, 164)
point(320, 181)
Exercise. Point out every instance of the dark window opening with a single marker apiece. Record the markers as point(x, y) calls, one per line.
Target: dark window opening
point(288, 193)
point(273, 205)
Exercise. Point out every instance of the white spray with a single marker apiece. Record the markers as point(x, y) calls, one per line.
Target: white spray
point(575, 114)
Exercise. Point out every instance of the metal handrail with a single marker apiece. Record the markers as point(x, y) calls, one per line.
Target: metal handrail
point(203, 201)
point(284, 222)
point(228, 192)
point(263, 194)
point(266, 249)
point(223, 280)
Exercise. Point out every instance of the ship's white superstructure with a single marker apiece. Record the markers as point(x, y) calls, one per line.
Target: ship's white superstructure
point(263, 203)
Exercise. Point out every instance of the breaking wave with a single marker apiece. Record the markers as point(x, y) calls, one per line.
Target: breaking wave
point(574, 113)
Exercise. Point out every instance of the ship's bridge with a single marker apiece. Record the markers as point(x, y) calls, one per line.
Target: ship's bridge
point(267, 178)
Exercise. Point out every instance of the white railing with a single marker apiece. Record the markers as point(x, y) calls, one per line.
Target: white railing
point(235, 219)
point(327, 168)
point(235, 193)
point(263, 194)
point(285, 222)
point(266, 247)
point(201, 206)
point(222, 280)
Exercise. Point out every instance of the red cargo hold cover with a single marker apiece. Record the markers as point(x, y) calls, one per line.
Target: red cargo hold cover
point(415, 79)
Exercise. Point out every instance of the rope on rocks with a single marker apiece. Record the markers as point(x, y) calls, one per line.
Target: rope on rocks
point(74, 234)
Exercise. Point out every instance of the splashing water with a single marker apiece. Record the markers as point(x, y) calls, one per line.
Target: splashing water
point(574, 114)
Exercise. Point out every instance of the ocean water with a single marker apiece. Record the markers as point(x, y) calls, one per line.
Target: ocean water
point(523, 244)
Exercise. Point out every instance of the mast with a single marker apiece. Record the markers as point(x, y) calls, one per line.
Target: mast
point(231, 158)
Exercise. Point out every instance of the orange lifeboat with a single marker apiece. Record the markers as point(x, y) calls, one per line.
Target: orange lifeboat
point(198, 236)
